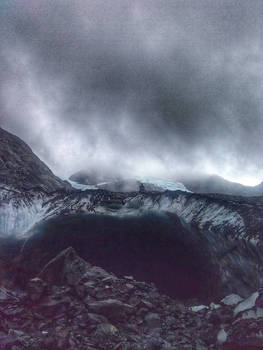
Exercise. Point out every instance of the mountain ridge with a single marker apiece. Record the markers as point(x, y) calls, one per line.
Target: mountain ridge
point(198, 184)
point(20, 168)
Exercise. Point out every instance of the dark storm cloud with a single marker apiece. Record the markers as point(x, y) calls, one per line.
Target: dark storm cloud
point(147, 86)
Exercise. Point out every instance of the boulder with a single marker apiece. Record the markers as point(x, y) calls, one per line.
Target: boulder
point(65, 268)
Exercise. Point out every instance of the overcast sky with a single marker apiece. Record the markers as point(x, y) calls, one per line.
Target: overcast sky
point(153, 87)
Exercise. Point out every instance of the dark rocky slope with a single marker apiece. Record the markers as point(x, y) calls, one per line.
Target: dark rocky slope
point(72, 305)
point(21, 169)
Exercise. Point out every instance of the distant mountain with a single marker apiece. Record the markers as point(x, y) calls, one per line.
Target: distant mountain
point(217, 184)
point(85, 179)
point(198, 184)
point(20, 168)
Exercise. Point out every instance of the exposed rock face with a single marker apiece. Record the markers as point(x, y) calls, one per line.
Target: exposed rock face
point(21, 169)
point(100, 312)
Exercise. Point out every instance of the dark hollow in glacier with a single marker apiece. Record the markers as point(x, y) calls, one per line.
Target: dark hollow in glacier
point(152, 248)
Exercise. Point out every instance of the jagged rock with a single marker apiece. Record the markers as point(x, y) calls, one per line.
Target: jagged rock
point(66, 268)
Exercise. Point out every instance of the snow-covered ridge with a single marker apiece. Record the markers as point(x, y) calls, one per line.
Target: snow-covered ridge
point(18, 212)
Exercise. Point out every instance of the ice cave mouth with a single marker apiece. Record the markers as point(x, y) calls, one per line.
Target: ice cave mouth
point(151, 248)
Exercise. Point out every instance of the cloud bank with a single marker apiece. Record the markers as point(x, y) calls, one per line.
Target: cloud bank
point(139, 87)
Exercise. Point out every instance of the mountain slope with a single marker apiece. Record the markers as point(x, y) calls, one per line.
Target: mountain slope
point(21, 169)
point(71, 304)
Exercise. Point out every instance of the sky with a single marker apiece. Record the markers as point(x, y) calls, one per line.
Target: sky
point(147, 87)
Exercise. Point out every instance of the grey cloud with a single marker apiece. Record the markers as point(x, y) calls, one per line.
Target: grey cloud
point(154, 87)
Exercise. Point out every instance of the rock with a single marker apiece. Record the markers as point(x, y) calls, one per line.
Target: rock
point(232, 299)
point(36, 288)
point(51, 307)
point(221, 336)
point(246, 304)
point(199, 308)
point(111, 308)
point(245, 335)
point(153, 320)
point(95, 273)
point(106, 329)
point(67, 268)
point(94, 319)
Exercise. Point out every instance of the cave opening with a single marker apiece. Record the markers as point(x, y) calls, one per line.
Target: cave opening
point(153, 247)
